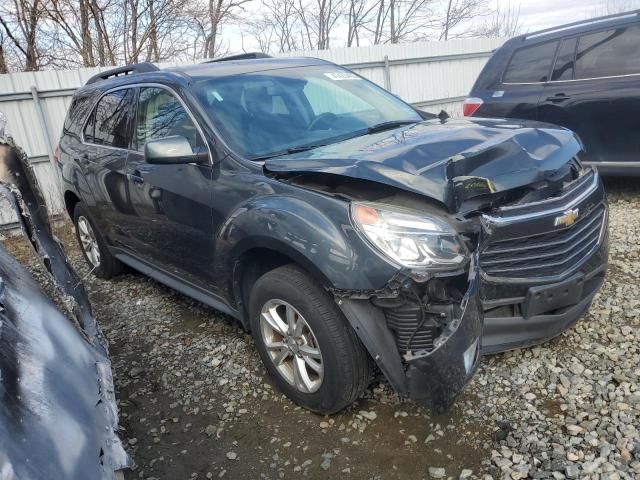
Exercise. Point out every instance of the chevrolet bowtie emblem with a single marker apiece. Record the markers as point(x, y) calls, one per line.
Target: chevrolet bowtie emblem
point(567, 218)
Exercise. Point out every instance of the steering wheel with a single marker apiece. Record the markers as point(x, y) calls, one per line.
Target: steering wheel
point(326, 116)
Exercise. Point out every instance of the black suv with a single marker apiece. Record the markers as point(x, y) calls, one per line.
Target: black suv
point(338, 224)
point(584, 76)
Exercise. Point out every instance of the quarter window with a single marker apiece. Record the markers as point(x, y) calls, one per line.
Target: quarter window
point(563, 69)
point(160, 115)
point(531, 64)
point(608, 53)
point(111, 121)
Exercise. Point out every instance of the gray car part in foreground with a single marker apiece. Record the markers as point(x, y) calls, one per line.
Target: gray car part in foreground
point(58, 414)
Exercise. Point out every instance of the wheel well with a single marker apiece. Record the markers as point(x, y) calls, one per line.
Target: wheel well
point(70, 202)
point(251, 266)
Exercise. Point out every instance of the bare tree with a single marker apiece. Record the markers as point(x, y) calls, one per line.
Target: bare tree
point(407, 18)
point(318, 18)
point(503, 22)
point(459, 12)
point(361, 13)
point(277, 27)
point(74, 18)
point(4, 63)
point(219, 12)
point(21, 22)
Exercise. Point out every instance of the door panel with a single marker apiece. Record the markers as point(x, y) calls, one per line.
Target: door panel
point(596, 93)
point(171, 222)
point(107, 137)
point(604, 113)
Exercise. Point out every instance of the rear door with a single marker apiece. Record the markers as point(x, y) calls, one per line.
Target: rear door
point(518, 93)
point(107, 137)
point(171, 225)
point(595, 91)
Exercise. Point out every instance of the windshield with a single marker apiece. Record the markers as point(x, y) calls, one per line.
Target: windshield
point(267, 113)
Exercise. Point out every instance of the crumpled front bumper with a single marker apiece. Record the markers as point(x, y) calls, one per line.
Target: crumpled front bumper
point(436, 378)
point(432, 378)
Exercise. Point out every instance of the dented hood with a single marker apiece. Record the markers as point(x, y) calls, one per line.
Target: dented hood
point(446, 160)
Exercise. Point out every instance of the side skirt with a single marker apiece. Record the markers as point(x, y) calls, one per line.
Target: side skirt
point(177, 284)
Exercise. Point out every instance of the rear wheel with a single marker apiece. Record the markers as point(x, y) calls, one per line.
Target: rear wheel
point(306, 344)
point(95, 251)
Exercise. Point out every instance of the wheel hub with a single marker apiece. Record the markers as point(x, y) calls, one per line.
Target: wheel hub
point(292, 346)
point(88, 241)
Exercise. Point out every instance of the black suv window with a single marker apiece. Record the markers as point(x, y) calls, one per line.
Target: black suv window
point(609, 53)
point(110, 122)
point(563, 69)
point(530, 64)
point(160, 114)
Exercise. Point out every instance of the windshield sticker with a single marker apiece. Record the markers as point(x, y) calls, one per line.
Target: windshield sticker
point(341, 76)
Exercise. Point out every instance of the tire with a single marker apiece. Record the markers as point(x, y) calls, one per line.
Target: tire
point(346, 366)
point(107, 265)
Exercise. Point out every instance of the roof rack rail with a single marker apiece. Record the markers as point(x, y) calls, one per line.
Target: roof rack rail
point(240, 56)
point(588, 21)
point(143, 67)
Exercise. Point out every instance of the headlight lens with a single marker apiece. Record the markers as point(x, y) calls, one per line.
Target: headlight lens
point(414, 241)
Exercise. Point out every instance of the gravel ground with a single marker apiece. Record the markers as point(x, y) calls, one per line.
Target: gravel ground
point(195, 401)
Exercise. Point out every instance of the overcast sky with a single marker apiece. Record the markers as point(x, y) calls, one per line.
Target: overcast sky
point(538, 14)
point(534, 15)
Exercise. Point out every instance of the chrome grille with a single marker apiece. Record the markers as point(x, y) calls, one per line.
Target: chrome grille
point(545, 254)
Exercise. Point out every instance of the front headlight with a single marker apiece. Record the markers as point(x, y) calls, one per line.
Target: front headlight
point(413, 240)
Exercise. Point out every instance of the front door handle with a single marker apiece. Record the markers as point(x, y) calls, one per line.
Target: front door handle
point(558, 97)
point(136, 177)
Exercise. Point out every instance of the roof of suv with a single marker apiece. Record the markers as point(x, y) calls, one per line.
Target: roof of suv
point(221, 68)
point(578, 27)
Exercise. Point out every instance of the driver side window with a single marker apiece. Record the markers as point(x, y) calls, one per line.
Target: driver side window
point(160, 115)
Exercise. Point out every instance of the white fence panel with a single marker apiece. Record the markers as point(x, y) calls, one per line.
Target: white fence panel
point(433, 76)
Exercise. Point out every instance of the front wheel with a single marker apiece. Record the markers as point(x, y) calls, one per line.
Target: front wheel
point(306, 344)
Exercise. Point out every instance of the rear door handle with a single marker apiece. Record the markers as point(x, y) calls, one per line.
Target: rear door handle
point(559, 97)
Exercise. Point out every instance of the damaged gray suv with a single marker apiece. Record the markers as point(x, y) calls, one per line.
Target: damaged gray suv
point(341, 226)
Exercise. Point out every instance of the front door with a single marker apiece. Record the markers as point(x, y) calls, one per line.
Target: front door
point(595, 91)
point(172, 226)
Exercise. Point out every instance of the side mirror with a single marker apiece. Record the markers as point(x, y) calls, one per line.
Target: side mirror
point(172, 150)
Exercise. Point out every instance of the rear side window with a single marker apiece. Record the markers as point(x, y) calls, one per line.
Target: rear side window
point(530, 64)
point(563, 68)
point(78, 111)
point(160, 114)
point(609, 53)
point(111, 121)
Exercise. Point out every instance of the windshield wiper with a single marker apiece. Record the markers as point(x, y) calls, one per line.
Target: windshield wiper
point(381, 127)
point(304, 148)
point(301, 148)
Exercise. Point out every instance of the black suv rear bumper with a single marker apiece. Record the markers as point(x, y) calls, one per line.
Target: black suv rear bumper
point(527, 309)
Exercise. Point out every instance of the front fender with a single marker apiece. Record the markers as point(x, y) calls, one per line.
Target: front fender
point(313, 230)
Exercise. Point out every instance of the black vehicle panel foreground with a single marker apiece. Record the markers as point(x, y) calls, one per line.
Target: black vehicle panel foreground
point(58, 413)
point(584, 76)
point(296, 168)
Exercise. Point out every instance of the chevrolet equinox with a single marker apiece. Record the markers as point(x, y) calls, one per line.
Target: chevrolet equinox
point(340, 226)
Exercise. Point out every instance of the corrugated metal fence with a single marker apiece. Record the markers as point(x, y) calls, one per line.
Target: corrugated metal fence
point(430, 75)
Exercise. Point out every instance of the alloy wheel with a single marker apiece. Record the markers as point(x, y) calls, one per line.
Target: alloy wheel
point(88, 241)
point(292, 346)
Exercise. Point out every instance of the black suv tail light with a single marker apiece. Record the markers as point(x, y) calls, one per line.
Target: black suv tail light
point(470, 106)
